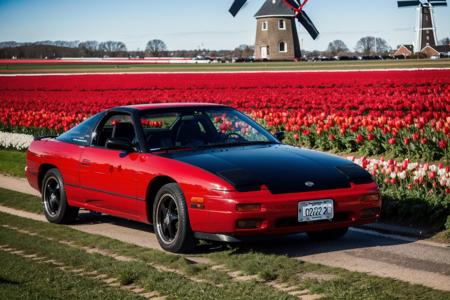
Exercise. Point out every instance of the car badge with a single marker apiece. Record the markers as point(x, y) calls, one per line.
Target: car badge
point(309, 184)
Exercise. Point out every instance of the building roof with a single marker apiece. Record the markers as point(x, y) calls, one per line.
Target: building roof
point(404, 50)
point(442, 48)
point(274, 8)
point(409, 47)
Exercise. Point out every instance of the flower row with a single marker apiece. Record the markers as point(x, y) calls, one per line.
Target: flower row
point(16, 141)
point(422, 178)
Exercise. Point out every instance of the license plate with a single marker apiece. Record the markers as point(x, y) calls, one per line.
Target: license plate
point(309, 211)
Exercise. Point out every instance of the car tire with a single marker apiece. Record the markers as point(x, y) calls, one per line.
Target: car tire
point(324, 235)
point(54, 200)
point(171, 220)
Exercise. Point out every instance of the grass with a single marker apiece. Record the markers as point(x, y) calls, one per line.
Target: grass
point(338, 283)
point(442, 237)
point(272, 66)
point(12, 162)
point(20, 201)
point(138, 272)
point(22, 278)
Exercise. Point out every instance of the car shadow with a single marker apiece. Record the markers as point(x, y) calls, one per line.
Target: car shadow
point(295, 245)
point(86, 217)
point(299, 245)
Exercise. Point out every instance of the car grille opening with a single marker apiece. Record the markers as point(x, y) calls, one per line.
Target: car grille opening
point(293, 221)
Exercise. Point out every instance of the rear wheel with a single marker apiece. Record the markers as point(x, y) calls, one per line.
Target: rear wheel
point(171, 220)
point(56, 208)
point(331, 234)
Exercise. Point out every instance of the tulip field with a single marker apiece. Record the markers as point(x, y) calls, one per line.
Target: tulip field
point(400, 119)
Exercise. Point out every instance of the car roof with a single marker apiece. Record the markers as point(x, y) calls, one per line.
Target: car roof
point(169, 105)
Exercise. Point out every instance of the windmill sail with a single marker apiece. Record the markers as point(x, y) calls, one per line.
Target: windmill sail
point(438, 2)
point(405, 3)
point(303, 18)
point(236, 7)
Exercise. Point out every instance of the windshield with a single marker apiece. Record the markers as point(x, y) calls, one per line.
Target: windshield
point(201, 127)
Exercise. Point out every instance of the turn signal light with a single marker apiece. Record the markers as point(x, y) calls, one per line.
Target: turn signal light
point(248, 207)
point(248, 224)
point(198, 202)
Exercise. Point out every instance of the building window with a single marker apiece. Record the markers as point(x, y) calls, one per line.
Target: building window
point(282, 47)
point(281, 24)
point(265, 26)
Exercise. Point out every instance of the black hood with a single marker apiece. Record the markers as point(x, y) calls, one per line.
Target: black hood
point(282, 168)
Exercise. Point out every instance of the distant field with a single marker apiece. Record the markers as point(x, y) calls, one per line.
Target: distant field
point(8, 68)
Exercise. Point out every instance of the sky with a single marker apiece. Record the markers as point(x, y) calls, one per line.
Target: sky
point(193, 24)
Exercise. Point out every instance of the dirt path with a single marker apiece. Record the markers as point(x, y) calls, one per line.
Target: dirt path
point(404, 259)
point(17, 184)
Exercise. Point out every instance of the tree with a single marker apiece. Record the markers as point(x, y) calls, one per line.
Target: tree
point(244, 51)
point(112, 46)
point(156, 48)
point(337, 47)
point(89, 45)
point(370, 45)
point(445, 41)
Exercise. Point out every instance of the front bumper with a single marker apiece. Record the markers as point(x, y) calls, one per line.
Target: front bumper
point(279, 213)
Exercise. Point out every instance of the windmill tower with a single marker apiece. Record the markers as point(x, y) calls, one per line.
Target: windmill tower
point(276, 31)
point(426, 29)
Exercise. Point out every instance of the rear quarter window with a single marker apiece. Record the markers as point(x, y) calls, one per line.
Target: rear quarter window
point(82, 133)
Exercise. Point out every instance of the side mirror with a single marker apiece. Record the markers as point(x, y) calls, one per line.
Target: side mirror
point(120, 144)
point(280, 135)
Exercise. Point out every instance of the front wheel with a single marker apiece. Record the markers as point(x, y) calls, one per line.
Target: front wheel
point(171, 220)
point(56, 208)
point(331, 234)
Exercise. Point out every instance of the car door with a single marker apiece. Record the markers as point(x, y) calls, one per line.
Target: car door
point(109, 177)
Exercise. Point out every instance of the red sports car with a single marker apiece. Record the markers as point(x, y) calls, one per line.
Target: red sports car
point(197, 171)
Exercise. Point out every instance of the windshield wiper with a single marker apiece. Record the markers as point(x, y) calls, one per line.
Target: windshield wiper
point(170, 148)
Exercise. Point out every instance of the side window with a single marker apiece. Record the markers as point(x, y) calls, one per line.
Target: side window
point(115, 126)
point(81, 134)
point(265, 26)
point(281, 24)
point(282, 47)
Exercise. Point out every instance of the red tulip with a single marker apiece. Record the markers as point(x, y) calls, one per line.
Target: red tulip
point(359, 139)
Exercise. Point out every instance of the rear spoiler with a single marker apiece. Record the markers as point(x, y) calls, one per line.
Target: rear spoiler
point(38, 138)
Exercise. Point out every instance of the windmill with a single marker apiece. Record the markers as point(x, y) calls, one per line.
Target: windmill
point(295, 5)
point(276, 31)
point(426, 29)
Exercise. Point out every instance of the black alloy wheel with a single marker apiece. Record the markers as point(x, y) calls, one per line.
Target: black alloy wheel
point(56, 208)
point(171, 220)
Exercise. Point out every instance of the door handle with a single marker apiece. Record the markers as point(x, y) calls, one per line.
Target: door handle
point(86, 162)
